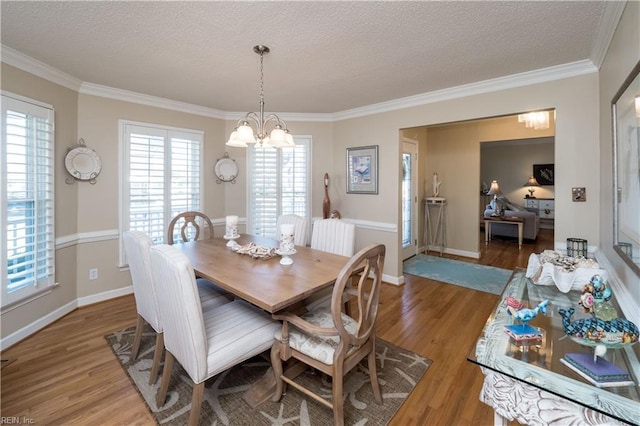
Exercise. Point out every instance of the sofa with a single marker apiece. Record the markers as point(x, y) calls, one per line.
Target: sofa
point(531, 219)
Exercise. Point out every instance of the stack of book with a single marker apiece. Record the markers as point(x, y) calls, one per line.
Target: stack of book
point(600, 372)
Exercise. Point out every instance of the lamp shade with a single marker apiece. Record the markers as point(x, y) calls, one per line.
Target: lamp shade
point(495, 188)
point(531, 182)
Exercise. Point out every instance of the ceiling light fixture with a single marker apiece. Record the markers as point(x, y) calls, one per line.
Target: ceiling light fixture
point(537, 120)
point(245, 134)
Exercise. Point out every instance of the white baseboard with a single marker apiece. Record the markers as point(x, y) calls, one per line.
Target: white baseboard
point(37, 325)
point(106, 295)
point(393, 280)
point(44, 321)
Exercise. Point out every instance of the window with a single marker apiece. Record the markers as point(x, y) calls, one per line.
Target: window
point(279, 183)
point(161, 176)
point(27, 180)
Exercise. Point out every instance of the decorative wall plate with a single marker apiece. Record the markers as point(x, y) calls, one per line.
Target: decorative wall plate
point(83, 163)
point(226, 169)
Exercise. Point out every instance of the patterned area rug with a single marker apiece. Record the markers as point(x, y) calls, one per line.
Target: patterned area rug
point(470, 275)
point(398, 372)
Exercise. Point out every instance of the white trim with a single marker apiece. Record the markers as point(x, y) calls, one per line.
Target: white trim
point(393, 280)
point(105, 295)
point(471, 254)
point(31, 297)
point(368, 224)
point(86, 237)
point(153, 101)
point(605, 31)
point(37, 325)
point(543, 75)
point(25, 63)
point(40, 69)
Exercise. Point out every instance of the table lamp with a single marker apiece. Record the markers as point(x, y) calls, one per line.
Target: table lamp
point(531, 183)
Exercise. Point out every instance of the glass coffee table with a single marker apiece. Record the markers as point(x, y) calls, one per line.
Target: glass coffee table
point(526, 381)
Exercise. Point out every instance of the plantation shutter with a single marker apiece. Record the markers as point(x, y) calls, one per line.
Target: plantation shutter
point(279, 183)
point(27, 179)
point(161, 176)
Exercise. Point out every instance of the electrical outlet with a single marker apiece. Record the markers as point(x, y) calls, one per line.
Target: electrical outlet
point(93, 274)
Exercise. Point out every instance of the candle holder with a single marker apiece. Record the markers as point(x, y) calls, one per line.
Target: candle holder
point(231, 243)
point(231, 231)
point(576, 247)
point(287, 244)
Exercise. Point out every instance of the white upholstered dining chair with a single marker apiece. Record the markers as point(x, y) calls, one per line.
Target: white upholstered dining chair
point(137, 245)
point(204, 341)
point(299, 227)
point(334, 236)
point(331, 341)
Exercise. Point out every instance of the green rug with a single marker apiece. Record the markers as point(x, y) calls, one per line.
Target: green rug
point(399, 371)
point(470, 275)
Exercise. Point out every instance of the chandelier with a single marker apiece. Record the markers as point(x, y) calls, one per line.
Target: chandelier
point(536, 120)
point(253, 127)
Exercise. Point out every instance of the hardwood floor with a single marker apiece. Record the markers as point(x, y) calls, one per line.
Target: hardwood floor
point(66, 373)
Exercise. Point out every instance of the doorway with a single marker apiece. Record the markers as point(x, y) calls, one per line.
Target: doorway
point(409, 197)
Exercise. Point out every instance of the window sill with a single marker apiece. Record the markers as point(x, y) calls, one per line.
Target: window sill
point(28, 299)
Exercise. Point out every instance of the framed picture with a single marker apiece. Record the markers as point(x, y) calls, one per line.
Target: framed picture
point(544, 174)
point(362, 170)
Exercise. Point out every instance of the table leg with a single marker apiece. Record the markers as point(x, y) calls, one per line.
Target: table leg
point(520, 229)
point(487, 232)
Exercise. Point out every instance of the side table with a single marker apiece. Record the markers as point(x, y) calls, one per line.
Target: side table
point(434, 223)
point(507, 220)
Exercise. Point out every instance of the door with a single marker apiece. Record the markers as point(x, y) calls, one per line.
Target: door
point(409, 198)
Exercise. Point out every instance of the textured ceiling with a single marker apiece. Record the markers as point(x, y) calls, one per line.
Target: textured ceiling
point(325, 56)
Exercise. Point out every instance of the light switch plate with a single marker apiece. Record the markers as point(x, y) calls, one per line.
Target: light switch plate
point(579, 194)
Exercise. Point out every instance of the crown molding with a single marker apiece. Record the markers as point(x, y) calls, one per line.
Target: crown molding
point(573, 69)
point(542, 75)
point(154, 101)
point(606, 30)
point(40, 69)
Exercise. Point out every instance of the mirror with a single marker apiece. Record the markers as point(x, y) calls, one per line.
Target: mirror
point(625, 113)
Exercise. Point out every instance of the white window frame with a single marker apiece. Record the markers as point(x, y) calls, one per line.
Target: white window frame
point(41, 184)
point(302, 140)
point(169, 210)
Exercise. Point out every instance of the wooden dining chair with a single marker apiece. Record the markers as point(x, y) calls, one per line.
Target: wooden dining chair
point(204, 341)
point(189, 226)
point(334, 236)
point(299, 227)
point(331, 341)
point(137, 245)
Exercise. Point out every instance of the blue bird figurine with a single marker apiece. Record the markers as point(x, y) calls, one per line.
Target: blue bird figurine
point(525, 315)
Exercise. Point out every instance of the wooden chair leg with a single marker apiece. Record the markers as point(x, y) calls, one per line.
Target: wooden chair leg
point(373, 375)
point(276, 365)
point(338, 402)
point(157, 356)
point(137, 338)
point(196, 403)
point(166, 376)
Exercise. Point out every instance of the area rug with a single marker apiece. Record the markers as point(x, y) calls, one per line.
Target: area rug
point(470, 275)
point(398, 372)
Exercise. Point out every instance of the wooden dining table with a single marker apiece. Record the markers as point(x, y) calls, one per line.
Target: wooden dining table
point(265, 283)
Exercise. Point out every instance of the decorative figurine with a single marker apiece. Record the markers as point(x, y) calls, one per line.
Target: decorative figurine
point(436, 185)
point(595, 295)
point(595, 330)
point(525, 315)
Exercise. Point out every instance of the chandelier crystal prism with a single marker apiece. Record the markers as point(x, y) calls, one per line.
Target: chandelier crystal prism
point(253, 127)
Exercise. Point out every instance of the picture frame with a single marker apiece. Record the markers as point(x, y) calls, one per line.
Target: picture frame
point(362, 170)
point(544, 174)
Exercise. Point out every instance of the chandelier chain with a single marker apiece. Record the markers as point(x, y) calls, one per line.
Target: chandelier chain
point(261, 77)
